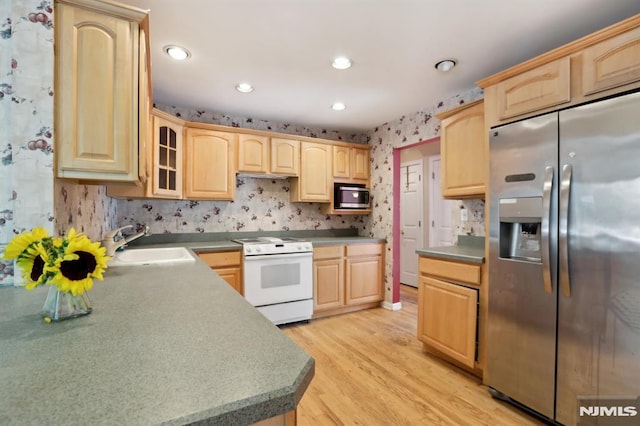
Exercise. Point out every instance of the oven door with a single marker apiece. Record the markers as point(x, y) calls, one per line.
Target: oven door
point(278, 278)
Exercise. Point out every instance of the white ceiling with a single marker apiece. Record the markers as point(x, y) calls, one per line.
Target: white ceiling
point(285, 47)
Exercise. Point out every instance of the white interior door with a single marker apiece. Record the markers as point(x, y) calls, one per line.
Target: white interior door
point(411, 189)
point(440, 210)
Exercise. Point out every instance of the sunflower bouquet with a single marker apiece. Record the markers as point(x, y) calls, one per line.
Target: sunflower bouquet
point(69, 263)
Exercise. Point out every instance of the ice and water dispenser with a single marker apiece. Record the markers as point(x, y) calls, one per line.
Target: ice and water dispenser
point(520, 220)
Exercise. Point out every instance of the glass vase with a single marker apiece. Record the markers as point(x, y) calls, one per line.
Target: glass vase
point(61, 305)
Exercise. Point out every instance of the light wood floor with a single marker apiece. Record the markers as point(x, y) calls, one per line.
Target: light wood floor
point(371, 370)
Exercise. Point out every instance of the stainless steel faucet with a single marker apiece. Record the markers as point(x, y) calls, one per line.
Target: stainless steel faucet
point(114, 239)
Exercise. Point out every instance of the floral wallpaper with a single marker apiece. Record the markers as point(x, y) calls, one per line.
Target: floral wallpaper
point(407, 130)
point(259, 205)
point(84, 207)
point(26, 122)
point(202, 116)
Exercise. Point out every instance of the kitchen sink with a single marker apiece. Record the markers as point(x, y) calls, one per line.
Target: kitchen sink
point(151, 256)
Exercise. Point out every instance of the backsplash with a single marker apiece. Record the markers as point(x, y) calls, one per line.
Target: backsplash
point(475, 223)
point(84, 207)
point(259, 205)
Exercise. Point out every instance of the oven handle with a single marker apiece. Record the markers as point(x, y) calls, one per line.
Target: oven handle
point(278, 256)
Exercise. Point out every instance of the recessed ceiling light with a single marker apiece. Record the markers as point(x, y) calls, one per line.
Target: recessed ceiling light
point(445, 65)
point(244, 88)
point(338, 106)
point(341, 63)
point(176, 52)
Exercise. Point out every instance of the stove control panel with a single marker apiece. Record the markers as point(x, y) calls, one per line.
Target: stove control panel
point(258, 249)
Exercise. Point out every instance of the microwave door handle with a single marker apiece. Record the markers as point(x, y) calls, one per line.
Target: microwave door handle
point(547, 190)
point(563, 230)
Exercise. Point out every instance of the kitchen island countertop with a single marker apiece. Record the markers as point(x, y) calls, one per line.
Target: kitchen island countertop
point(169, 344)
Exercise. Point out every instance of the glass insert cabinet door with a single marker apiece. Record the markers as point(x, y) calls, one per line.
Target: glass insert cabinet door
point(167, 158)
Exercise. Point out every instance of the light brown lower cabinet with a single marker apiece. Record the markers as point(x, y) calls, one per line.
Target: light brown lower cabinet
point(347, 278)
point(227, 264)
point(448, 310)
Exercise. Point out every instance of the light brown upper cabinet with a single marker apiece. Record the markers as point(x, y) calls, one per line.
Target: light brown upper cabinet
point(97, 77)
point(611, 63)
point(253, 154)
point(341, 163)
point(601, 64)
point(462, 151)
point(209, 162)
point(164, 163)
point(314, 183)
point(539, 88)
point(261, 154)
point(360, 163)
point(285, 156)
point(350, 163)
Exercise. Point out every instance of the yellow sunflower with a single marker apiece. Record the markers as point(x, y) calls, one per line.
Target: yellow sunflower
point(34, 262)
point(82, 261)
point(21, 242)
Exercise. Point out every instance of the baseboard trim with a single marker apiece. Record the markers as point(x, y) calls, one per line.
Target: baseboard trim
point(392, 306)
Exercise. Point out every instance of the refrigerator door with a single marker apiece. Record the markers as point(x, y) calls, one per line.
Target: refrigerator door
point(599, 301)
point(520, 354)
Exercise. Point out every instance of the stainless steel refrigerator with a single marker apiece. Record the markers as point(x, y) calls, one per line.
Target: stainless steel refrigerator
point(564, 258)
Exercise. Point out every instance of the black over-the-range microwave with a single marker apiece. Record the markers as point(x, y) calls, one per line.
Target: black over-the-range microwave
point(350, 196)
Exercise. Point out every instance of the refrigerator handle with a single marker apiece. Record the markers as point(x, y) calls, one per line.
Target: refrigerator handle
point(563, 230)
point(544, 234)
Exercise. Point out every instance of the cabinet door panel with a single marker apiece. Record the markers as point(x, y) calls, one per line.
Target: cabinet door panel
point(540, 88)
point(315, 173)
point(285, 156)
point(328, 279)
point(233, 276)
point(167, 159)
point(463, 153)
point(96, 95)
point(341, 162)
point(359, 163)
point(209, 171)
point(364, 278)
point(253, 154)
point(611, 63)
point(447, 317)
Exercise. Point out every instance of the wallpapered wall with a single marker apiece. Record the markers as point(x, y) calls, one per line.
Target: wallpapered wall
point(26, 122)
point(407, 130)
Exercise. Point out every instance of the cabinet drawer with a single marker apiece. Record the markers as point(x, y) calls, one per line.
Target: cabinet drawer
point(327, 252)
point(611, 63)
point(539, 88)
point(462, 272)
point(364, 249)
point(221, 258)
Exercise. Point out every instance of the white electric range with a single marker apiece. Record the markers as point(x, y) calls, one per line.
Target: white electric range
point(278, 277)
